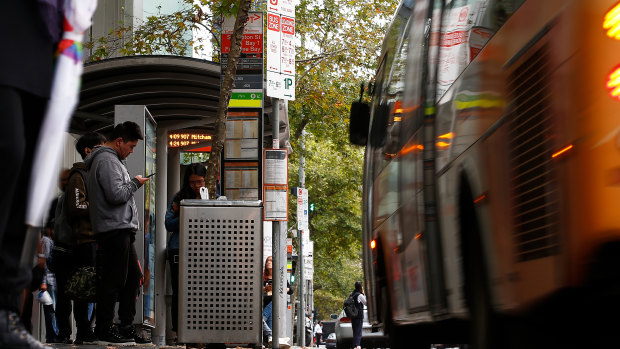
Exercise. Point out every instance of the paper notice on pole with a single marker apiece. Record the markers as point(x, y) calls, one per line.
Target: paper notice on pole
point(308, 260)
point(276, 166)
point(276, 203)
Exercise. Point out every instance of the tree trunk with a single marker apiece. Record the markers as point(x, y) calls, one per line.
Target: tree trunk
point(213, 166)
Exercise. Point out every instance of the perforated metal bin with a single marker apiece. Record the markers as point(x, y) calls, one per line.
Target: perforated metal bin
point(220, 271)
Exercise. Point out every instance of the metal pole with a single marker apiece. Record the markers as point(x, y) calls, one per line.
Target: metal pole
point(301, 314)
point(279, 251)
point(159, 332)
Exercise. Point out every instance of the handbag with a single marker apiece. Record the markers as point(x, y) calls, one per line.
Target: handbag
point(82, 285)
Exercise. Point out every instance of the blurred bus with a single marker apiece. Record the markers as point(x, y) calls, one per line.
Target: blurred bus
point(492, 174)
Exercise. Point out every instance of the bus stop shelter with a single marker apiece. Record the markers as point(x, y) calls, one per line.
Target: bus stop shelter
point(179, 93)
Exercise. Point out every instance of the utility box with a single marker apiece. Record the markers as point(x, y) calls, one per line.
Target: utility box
point(220, 272)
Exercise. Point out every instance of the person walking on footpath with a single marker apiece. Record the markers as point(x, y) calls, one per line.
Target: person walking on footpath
point(318, 333)
point(81, 252)
point(356, 323)
point(48, 284)
point(114, 219)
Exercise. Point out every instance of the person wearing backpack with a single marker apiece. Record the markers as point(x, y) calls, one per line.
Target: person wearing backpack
point(75, 245)
point(357, 321)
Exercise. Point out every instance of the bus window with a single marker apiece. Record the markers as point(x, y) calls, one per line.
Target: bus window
point(411, 143)
point(466, 27)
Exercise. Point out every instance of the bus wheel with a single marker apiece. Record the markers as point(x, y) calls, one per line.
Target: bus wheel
point(400, 337)
point(483, 323)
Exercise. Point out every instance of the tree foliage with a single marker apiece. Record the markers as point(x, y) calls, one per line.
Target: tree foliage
point(340, 47)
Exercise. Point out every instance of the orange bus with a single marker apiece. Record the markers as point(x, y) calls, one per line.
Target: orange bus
point(491, 212)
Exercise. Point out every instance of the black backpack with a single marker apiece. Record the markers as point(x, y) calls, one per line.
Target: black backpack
point(63, 231)
point(350, 306)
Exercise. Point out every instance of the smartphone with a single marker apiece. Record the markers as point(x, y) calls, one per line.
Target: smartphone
point(151, 175)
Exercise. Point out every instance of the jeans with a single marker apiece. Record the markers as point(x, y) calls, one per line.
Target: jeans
point(266, 329)
point(268, 314)
point(118, 279)
point(173, 261)
point(51, 329)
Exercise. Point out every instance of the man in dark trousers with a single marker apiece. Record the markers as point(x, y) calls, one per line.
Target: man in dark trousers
point(81, 251)
point(357, 322)
point(26, 70)
point(114, 218)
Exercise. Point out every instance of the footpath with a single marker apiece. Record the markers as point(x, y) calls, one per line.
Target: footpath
point(138, 346)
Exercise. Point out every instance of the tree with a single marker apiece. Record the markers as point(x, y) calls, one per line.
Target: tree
point(341, 42)
point(225, 93)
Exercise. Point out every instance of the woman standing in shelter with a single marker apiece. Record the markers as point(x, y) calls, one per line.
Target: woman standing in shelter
point(193, 180)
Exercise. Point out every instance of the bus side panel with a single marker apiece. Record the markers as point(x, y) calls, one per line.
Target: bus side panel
point(477, 101)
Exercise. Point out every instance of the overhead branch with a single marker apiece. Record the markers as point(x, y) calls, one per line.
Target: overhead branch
point(301, 127)
point(321, 56)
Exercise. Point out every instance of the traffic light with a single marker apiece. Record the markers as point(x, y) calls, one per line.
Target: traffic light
point(311, 207)
point(293, 268)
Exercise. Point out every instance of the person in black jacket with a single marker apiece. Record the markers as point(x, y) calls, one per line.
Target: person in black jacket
point(356, 323)
point(193, 179)
point(26, 70)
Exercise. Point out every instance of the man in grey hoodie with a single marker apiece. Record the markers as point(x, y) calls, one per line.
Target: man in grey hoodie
point(114, 218)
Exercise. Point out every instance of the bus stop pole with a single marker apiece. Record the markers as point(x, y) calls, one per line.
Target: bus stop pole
point(301, 313)
point(279, 251)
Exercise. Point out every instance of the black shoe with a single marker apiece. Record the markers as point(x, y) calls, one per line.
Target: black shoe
point(13, 334)
point(111, 336)
point(61, 340)
point(129, 331)
point(86, 337)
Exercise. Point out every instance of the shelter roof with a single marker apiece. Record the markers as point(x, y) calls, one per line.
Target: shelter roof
point(184, 91)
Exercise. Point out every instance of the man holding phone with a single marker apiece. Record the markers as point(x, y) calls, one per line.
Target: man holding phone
point(114, 218)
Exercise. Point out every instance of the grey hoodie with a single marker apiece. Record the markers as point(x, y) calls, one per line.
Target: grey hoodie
point(110, 192)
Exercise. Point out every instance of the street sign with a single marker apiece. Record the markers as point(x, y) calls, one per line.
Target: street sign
point(281, 49)
point(273, 42)
point(248, 82)
point(251, 59)
point(302, 208)
point(280, 85)
point(246, 99)
point(287, 47)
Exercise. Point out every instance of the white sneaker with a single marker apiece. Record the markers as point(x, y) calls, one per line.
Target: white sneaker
point(269, 341)
point(285, 343)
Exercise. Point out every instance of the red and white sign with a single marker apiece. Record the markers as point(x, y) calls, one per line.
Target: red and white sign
point(251, 43)
point(273, 42)
point(282, 7)
point(287, 47)
point(280, 53)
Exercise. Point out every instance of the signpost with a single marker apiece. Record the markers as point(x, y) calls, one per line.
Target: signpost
point(280, 85)
point(281, 49)
point(243, 146)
